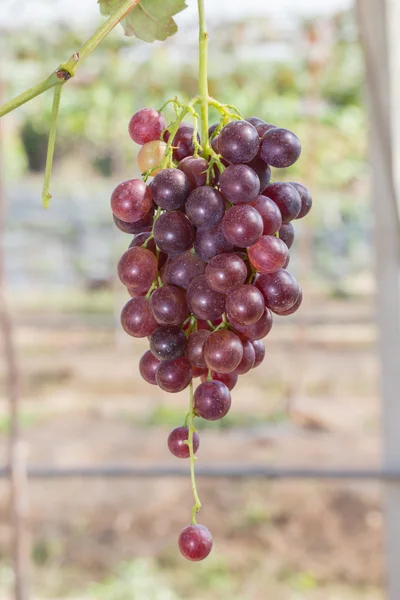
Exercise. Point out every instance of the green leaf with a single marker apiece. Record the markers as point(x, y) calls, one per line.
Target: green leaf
point(150, 20)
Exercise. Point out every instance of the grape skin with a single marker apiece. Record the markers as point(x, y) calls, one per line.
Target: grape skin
point(146, 125)
point(286, 197)
point(137, 268)
point(151, 156)
point(212, 400)
point(168, 343)
point(280, 290)
point(239, 184)
point(205, 207)
point(170, 189)
point(195, 348)
point(225, 272)
point(173, 232)
point(248, 359)
point(238, 142)
point(195, 542)
point(242, 225)
point(148, 366)
point(229, 379)
point(259, 351)
point(137, 319)
point(131, 200)
point(168, 305)
point(223, 351)
point(204, 302)
point(280, 148)
point(256, 331)
point(177, 442)
point(268, 254)
point(245, 305)
point(180, 270)
point(174, 375)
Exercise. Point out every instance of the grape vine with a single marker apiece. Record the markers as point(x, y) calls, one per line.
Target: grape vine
point(207, 266)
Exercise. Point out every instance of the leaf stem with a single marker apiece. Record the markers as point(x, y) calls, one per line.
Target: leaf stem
point(192, 458)
point(67, 70)
point(203, 75)
point(46, 196)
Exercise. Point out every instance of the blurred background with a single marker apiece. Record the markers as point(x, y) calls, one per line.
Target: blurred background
point(314, 402)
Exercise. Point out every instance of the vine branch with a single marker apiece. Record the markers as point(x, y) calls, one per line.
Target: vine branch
point(68, 69)
point(46, 196)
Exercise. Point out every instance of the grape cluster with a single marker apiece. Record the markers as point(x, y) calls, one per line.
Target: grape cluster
point(206, 268)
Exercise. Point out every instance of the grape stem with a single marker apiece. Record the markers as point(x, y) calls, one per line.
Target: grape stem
point(192, 458)
point(203, 73)
point(46, 196)
point(67, 70)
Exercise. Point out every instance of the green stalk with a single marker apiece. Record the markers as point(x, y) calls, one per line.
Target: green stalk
point(192, 458)
point(68, 69)
point(46, 196)
point(203, 75)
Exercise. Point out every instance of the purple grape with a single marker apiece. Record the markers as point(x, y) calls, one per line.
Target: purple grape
point(146, 125)
point(306, 200)
point(131, 200)
point(137, 268)
point(173, 232)
point(248, 359)
point(204, 302)
point(182, 269)
point(223, 351)
point(211, 129)
point(286, 197)
point(174, 375)
point(286, 234)
point(262, 170)
point(238, 142)
point(242, 225)
point(280, 290)
point(205, 207)
point(195, 347)
point(168, 343)
point(137, 319)
point(259, 349)
point(257, 331)
point(229, 379)
point(168, 305)
point(268, 254)
point(170, 189)
point(141, 238)
point(195, 542)
point(239, 184)
point(141, 226)
point(226, 272)
point(293, 308)
point(210, 242)
point(245, 305)
point(212, 400)
point(148, 367)
point(280, 148)
point(195, 170)
point(270, 214)
point(177, 442)
point(255, 121)
point(183, 143)
point(262, 128)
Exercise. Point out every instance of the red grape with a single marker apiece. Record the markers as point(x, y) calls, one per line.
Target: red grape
point(205, 207)
point(242, 225)
point(151, 156)
point(286, 234)
point(245, 305)
point(262, 128)
point(195, 542)
point(136, 318)
point(168, 343)
point(226, 272)
point(183, 142)
point(173, 232)
point(238, 142)
point(144, 224)
point(229, 379)
point(195, 170)
point(248, 359)
point(286, 197)
point(306, 200)
point(212, 400)
point(174, 375)
point(257, 330)
point(262, 170)
point(210, 242)
point(204, 302)
point(131, 200)
point(223, 351)
point(148, 366)
point(146, 125)
point(168, 305)
point(270, 214)
point(170, 189)
point(280, 148)
point(239, 184)
point(268, 254)
point(259, 349)
point(177, 442)
point(182, 269)
point(280, 290)
point(195, 347)
point(137, 268)
point(292, 309)
point(255, 121)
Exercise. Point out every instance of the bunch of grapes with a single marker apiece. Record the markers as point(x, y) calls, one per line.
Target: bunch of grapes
point(207, 266)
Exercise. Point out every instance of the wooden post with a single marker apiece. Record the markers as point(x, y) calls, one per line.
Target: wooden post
point(379, 22)
point(16, 451)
